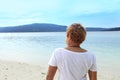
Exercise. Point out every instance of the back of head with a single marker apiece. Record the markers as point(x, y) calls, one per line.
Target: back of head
point(76, 32)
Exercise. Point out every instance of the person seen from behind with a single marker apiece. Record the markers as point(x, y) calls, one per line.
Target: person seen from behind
point(73, 62)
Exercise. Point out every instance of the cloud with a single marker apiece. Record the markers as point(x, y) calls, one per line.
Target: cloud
point(14, 12)
point(94, 6)
point(66, 7)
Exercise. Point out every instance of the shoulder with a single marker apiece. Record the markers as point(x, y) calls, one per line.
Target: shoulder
point(90, 54)
point(57, 51)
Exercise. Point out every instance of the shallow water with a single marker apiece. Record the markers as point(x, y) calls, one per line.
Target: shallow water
point(37, 47)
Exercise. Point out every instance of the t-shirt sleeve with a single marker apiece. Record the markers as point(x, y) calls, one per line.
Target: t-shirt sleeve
point(53, 61)
point(94, 65)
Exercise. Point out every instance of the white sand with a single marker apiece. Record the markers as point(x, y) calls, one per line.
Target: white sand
point(21, 71)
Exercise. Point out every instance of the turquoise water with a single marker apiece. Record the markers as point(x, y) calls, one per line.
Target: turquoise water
point(37, 48)
point(30, 47)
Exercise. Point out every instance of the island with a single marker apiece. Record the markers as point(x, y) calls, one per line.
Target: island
point(45, 27)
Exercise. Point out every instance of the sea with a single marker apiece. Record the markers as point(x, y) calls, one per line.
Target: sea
point(37, 47)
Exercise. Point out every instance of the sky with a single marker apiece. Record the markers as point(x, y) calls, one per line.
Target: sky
point(90, 13)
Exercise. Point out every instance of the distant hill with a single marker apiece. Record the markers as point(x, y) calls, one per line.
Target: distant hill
point(44, 27)
point(103, 29)
point(36, 27)
point(94, 29)
point(113, 29)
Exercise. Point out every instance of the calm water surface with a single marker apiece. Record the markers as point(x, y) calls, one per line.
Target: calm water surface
point(37, 48)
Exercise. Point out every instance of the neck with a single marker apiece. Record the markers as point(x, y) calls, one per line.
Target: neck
point(73, 45)
point(77, 46)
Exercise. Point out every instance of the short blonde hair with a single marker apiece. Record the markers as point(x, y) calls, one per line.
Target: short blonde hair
point(76, 32)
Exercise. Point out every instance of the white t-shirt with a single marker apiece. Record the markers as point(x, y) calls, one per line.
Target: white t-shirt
point(73, 65)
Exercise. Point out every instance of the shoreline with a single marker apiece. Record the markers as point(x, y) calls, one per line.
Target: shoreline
point(11, 70)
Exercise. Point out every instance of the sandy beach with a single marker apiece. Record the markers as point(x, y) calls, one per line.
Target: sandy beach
point(17, 53)
point(10, 70)
point(21, 71)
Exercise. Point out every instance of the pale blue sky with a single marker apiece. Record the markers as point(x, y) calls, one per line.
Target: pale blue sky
point(91, 13)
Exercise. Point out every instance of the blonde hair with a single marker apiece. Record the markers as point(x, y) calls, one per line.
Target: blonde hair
point(76, 32)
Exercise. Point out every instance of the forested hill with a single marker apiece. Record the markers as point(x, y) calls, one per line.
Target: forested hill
point(36, 27)
point(103, 29)
point(44, 27)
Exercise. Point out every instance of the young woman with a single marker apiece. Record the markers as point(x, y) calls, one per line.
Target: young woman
point(73, 62)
